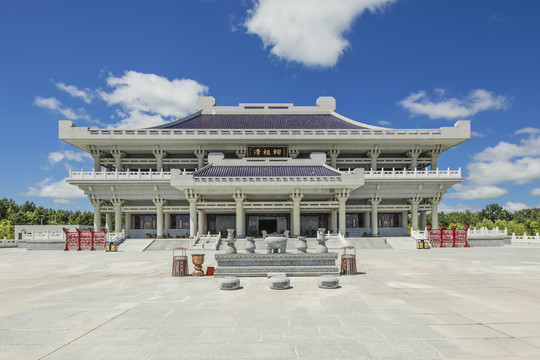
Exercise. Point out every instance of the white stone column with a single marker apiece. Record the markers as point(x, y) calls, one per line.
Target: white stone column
point(434, 153)
point(414, 212)
point(374, 215)
point(405, 222)
point(333, 218)
point(200, 221)
point(128, 223)
point(200, 153)
point(167, 224)
point(108, 221)
point(435, 212)
point(413, 154)
point(159, 216)
point(192, 198)
point(117, 203)
point(296, 197)
point(96, 154)
point(159, 155)
point(367, 224)
point(97, 214)
point(333, 153)
point(240, 214)
point(342, 197)
point(423, 219)
point(374, 154)
point(117, 154)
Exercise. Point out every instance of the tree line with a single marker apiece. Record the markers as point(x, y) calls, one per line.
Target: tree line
point(12, 214)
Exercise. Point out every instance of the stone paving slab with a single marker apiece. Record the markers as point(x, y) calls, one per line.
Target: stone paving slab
point(477, 303)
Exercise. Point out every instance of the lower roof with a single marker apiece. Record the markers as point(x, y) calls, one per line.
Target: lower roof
point(265, 171)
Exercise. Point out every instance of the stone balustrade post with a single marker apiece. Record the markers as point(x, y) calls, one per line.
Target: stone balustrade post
point(333, 153)
point(296, 197)
point(159, 155)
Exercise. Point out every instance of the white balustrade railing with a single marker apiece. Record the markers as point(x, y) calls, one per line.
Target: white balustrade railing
point(485, 232)
point(526, 239)
point(410, 174)
point(206, 242)
point(43, 235)
point(420, 234)
point(267, 132)
point(116, 237)
point(120, 175)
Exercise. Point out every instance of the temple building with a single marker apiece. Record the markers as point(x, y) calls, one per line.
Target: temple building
point(272, 167)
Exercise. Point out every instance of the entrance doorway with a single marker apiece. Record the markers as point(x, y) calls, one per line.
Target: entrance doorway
point(269, 225)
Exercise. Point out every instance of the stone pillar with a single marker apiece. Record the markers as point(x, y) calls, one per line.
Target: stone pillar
point(128, 223)
point(413, 154)
point(366, 222)
point(96, 154)
point(374, 215)
point(435, 212)
point(117, 203)
point(333, 218)
point(192, 198)
point(434, 153)
point(108, 221)
point(97, 214)
point(333, 153)
point(296, 197)
point(405, 222)
point(423, 219)
point(374, 154)
point(159, 154)
point(117, 154)
point(414, 212)
point(342, 197)
point(240, 215)
point(167, 224)
point(199, 153)
point(159, 216)
point(200, 222)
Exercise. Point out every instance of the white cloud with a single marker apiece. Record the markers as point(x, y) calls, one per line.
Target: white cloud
point(535, 192)
point(452, 108)
point(528, 130)
point(475, 191)
point(60, 190)
point(62, 201)
point(58, 156)
point(384, 123)
point(515, 206)
point(55, 105)
point(456, 208)
point(506, 151)
point(520, 171)
point(75, 91)
point(147, 99)
point(477, 134)
point(310, 32)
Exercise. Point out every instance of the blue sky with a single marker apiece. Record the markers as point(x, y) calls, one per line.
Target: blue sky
point(401, 64)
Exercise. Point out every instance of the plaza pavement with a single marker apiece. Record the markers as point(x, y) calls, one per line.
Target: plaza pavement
point(406, 304)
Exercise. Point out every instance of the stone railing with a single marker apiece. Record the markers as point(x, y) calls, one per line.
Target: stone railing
point(5, 242)
point(44, 236)
point(410, 174)
point(206, 242)
point(485, 232)
point(526, 239)
point(116, 237)
point(267, 132)
point(120, 175)
point(420, 234)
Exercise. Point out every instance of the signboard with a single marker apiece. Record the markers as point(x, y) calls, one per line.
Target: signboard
point(267, 151)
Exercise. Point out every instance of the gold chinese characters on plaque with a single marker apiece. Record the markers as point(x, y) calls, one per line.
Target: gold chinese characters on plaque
point(267, 151)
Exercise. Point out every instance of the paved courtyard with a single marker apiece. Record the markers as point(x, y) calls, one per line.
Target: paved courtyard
point(406, 304)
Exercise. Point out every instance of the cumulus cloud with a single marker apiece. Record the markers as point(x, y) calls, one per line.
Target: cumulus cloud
point(56, 106)
point(455, 208)
point(69, 155)
point(515, 206)
point(147, 99)
point(535, 192)
point(62, 201)
point(476, 191)
point(59, 189)
point(310, 32)
point(85, 95)
point(384, 123)
point(477, 134)
point(453, 108)
point(527, 130)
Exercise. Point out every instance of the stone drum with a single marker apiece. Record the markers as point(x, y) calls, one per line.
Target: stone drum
point(328, 282)
point(279, 283)
point(229, 283)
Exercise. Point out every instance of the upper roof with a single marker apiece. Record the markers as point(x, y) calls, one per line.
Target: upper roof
point(261, 121)
point(264, 171)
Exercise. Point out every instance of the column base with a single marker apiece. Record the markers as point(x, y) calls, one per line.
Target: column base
point(159, 237)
